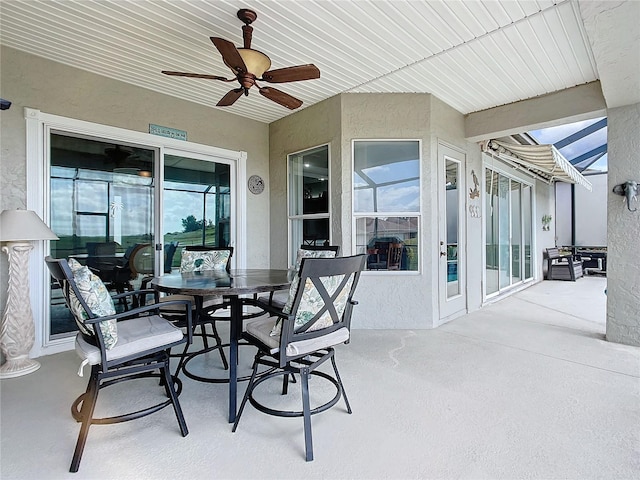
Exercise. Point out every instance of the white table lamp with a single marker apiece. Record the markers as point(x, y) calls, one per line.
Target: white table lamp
point(18, 228)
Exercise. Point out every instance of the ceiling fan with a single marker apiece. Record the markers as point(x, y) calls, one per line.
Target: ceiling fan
point(249, 66)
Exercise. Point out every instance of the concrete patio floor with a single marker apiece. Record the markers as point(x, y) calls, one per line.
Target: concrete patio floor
point(526, 387)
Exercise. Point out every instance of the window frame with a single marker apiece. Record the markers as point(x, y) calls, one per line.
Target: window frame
point(418, 215)
point(293, 248)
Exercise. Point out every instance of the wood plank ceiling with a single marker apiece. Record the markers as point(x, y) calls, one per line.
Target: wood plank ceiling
point(472, 55)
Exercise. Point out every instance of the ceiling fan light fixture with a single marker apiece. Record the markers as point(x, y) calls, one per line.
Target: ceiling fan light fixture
point(256, 62)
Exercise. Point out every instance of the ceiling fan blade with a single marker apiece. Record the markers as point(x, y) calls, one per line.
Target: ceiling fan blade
point(230, 54)
point(282, 98)
point(230, 98)
point(292, 74)
point(196, 75)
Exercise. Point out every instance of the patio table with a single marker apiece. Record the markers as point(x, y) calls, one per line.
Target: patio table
point(230, 285)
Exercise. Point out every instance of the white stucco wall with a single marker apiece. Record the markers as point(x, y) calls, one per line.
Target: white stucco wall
point(623, 264)
point(386, 300)
point(30, 81)
point(591, 212)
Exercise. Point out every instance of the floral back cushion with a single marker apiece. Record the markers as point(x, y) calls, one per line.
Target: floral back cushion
point(296, 280)
point(203, 261)
point(311, 302)
point(97, 298)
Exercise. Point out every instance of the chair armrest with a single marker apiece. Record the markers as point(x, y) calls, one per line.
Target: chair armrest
point(135, 312)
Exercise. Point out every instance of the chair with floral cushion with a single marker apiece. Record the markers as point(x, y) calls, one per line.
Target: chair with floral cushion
point(302, 337)
point(196, 259)
point(125, 346)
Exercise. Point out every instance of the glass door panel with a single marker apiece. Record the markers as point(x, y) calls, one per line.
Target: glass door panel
point(516, 233)
point(503, 232)
point(491, 228)
point(452, 213)
point(196, 206)
point(508, 231)
point(101, 209)
point(526, 227)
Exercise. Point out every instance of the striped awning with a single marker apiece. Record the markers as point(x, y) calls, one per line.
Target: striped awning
point(544, 161)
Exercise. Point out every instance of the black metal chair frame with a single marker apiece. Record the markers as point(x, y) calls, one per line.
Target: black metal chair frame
point(282, 364)
point(109, 372)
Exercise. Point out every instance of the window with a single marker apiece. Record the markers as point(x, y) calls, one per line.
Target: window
point(309, 217)
point(386, 202)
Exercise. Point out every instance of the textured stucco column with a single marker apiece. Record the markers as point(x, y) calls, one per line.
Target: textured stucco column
point(623, 259)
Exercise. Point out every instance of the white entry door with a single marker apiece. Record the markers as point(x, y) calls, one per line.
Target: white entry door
point(452, 234)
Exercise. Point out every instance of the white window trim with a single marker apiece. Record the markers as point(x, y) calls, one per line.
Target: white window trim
point(38, 127)
point(418, 215)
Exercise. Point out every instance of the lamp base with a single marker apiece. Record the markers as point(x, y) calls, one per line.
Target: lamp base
point(17, 367)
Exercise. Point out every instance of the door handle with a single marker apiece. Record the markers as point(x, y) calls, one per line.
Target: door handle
point(443, 254)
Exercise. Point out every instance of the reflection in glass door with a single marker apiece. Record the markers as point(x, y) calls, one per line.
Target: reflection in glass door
point(102, 210)
point(508, 227)
point(196, 206)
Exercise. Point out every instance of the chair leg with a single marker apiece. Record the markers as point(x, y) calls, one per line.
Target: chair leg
point(247, 392)
point(216, 335)
point(88, 406)
point(171, 393)
point(181, 362)
point(285, 383)
point(344, 394)
point(306, 413)
point(203, 334)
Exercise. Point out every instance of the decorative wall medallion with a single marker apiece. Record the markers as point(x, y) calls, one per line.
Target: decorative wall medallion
point(256, 184)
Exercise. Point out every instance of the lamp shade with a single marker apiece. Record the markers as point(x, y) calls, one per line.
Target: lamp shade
point(23, 225)
point(256, 62)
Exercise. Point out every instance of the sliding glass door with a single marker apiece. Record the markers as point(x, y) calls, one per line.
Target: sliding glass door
point(102, 209)
point(108, 202)
point(508, 232)
point(196, 206)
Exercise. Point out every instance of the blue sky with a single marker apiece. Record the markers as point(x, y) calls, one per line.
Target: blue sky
point(552, 135)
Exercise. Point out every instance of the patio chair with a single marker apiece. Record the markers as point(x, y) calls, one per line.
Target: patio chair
point(302, 337)
point(200, 258)
point(563, 266)
point(119, 347)
point(277, 300)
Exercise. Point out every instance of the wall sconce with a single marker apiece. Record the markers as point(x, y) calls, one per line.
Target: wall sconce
point(629, 190)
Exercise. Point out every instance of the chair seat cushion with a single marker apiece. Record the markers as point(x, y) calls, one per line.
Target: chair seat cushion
point(134, 336)
point(261, 330)
point(209, 301)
